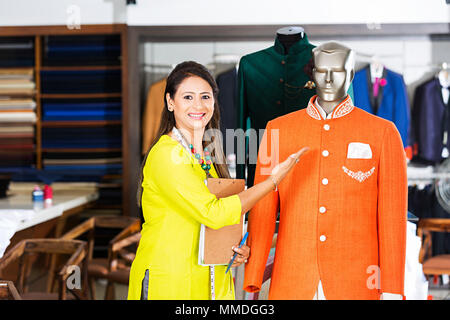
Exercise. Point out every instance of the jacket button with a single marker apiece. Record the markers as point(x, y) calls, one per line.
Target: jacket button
point(325, 153)
point(324, 181)
point(326, 127)
point(281, 80)
point(323, 238)
point(278, 102)
point(322, 209)
point(283, 62)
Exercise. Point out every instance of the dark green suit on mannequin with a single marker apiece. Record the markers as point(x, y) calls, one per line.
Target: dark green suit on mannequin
point(271, 83)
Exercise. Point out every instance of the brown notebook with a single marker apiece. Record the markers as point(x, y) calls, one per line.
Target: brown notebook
point(215, 245)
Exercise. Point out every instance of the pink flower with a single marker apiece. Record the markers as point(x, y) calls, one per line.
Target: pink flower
point(383, 82)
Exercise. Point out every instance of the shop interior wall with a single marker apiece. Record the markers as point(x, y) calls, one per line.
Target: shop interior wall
point(231, 12)
point(416, 57)
point(238, 12)
point(62, 12)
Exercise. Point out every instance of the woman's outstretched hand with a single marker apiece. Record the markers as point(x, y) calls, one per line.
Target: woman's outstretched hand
point(282, 169)
point(251, 196)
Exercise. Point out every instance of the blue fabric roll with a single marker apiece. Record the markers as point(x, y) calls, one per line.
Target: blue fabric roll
point(109, 131)
point(81, 48)
point(84, 167)
point(77, 106)
point(84, 81)
point(85, 50)
point(82, 145)
point(82, 115)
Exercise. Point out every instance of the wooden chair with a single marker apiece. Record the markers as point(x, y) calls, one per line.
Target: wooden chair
point(433, 265)
point(26, 250)
point(8, 291)
point(115, 268)
point(121, 255)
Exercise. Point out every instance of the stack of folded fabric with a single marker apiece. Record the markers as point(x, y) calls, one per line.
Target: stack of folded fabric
point(82, 137)
point(74, 144)
point(81, 109)
point(17, 118)
point(17, 82)
point(81, 50)
point(95, 162)
point(80, 81)
point(16, 52)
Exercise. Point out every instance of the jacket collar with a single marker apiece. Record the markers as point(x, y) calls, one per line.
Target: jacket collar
point(342, 109)
point(296, 48)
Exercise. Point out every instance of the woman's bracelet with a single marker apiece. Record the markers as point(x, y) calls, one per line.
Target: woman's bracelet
point(275, 183)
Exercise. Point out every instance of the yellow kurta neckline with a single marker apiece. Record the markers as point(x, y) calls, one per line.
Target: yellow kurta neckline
point(213, 171)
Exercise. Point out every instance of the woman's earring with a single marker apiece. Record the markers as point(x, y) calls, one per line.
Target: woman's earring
point(170, 109)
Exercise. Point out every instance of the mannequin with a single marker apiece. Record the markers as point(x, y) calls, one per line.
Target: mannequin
point(333, 73)
point(290, 35)
point(342, 226)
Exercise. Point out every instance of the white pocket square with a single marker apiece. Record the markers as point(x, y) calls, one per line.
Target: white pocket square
point(358, 150)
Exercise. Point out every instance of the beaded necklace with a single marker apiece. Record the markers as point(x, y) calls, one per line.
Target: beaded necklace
point(205, 162)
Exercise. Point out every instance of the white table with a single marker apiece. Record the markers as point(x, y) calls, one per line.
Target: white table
point(18, 214)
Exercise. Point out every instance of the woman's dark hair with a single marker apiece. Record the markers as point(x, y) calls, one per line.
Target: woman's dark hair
point(181, 72)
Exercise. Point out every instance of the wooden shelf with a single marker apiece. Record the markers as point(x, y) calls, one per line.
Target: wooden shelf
point(83, 150)
point(79, 95)
point(71, 124)
point(111, 176)
point(38, 32)
point(79, 68)
point(87, 29)
point(21, 95)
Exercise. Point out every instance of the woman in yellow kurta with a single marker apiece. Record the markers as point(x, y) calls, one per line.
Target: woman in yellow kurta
point(175, 200)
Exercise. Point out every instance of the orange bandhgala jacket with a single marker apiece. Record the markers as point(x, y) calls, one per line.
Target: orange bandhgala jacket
point(343, 207)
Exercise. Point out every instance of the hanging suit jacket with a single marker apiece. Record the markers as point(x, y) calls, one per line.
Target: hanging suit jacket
point(227, 83)
point(392, 102)
point(429, 118)
point(152, 113)
point(343, 207)
point(271, 83)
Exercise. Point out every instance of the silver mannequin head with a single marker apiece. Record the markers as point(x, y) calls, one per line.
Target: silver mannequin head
point(334, 69)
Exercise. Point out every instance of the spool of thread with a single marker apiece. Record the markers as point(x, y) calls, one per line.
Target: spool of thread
point(48, 195)
point(38, 198)
point(37, 194)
